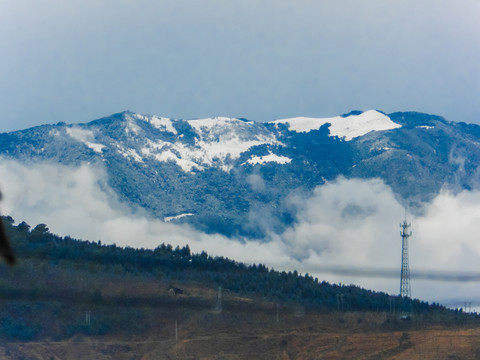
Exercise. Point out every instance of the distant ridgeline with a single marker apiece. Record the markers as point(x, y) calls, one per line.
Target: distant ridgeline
point(219, 174)
point(57, 279)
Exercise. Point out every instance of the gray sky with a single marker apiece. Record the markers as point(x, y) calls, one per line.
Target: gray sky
point(79, 60)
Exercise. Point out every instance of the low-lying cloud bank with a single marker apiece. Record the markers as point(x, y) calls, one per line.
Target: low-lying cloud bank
point(343, 226)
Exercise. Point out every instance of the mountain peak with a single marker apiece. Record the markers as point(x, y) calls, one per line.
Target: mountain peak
point(224, 169)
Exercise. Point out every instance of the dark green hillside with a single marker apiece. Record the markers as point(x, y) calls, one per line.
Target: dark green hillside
point(59, 279)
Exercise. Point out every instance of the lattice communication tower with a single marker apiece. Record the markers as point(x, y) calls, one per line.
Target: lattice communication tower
point(405, 289)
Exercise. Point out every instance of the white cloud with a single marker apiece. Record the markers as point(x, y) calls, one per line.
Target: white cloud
point(346, 223)
point(77, 201)
point(256, 182)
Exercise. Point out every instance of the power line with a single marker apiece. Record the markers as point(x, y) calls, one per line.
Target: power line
point(390, 273)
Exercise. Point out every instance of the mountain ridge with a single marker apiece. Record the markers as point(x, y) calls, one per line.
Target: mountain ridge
point(219, 170)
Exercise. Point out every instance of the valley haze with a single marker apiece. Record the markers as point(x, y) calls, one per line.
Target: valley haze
point(297, 193)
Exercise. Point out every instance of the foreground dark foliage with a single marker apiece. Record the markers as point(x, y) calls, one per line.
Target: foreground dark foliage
point(59, 280)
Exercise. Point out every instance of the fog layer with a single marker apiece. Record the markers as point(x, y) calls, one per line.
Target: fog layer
point(346, 231)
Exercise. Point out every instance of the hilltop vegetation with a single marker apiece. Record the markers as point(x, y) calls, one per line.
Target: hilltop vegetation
point(58, 280)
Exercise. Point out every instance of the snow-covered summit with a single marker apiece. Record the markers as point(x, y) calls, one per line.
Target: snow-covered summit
point(195, 145)
point(348, 127)
point(236, 177)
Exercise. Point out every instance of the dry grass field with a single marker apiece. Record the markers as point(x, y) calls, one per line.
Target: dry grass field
point(238, 335)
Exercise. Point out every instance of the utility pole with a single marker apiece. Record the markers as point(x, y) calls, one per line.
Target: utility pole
point(88, 314)
point(392, 305)
point(176, 330)
point(340, 302)
point(277, 314)
point(405, 290)
point(218, 306)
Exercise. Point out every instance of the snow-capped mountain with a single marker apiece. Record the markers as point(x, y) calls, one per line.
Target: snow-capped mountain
point(217, 173)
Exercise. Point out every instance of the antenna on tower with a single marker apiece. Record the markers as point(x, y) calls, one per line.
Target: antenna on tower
point(405, 233)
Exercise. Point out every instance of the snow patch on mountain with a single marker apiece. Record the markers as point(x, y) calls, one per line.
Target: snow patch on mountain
point(268, 158)
point(176, 217)
point(222, 139)
point(131, 126)
point(217, 142)
point(129, 153)
point(84, 136)
point(348, 127)
point(203, 154)
point(226, 148)
point(160, 123)
point(216, 125)
point(185, 157)
point(185, 164)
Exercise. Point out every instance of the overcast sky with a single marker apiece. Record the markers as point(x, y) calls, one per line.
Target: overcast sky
point(79, 60)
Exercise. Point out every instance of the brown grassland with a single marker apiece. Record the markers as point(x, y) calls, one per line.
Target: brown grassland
point(248, 328)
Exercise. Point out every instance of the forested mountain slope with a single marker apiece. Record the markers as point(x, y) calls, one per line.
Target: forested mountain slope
point(217, 173)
